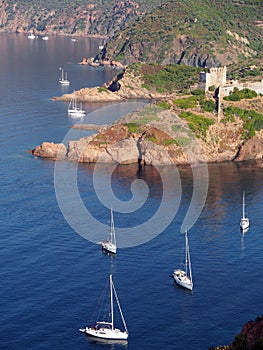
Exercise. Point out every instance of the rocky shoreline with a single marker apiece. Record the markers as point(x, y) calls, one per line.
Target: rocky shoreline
point(166, 141)
point(250, 337)
point(125, 86)
point(153, 135)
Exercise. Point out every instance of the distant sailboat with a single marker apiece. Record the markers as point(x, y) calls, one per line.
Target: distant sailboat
point(105, 329)
point(63, 79)
point(110, 244)
point(31, 36)
point(75, 110)
point(181, 277)
point(244, 222)
point(45, 37)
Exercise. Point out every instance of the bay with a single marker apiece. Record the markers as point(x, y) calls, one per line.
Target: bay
point(52, 278)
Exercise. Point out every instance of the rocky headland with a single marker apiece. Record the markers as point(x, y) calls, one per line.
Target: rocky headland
point(125, 86)
point(164, 139)
point(161, 133)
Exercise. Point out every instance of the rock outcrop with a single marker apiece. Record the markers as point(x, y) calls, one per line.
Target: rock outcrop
point(120, 88)
point(50, 150)
point(252, 149)
point(253, 330)
point(155, 144)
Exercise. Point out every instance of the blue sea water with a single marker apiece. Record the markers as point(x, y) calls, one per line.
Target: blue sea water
point(52, 278)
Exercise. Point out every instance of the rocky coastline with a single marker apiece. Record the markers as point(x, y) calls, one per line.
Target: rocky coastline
point(153, 135)
point(156, 142)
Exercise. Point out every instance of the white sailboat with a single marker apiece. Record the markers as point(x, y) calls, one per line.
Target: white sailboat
point(110, 244)
point(63, 79)
point(181, 277)
point(244, 222)
point(106, 329)
point(31, 36)
point(75, 110)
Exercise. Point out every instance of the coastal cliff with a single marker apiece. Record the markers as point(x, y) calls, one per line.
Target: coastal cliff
point(164, 139)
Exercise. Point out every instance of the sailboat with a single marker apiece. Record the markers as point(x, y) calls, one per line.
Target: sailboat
point(75, 110)
point(63, 80)
point(106, 329)
point(244, 222)
point(181, 277)
point(110, 244)
point(31, 36)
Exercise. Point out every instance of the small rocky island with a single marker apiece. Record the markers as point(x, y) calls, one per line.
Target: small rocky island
point(172, 129)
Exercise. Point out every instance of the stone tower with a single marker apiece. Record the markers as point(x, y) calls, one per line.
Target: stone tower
point(216, 77)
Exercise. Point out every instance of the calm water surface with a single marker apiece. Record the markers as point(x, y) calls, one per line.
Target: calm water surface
point(52, 278)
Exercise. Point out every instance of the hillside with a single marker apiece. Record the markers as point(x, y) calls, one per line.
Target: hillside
point(200, 33)
point(81, 17)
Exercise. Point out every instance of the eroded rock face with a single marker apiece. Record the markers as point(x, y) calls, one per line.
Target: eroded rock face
point(253, 331)
point(252, 149)
point(50, 150)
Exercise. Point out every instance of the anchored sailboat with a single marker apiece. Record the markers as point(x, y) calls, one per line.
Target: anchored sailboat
point(63, 79)
point(110, 244)
point(181, 277)
point(106, 329)
point(244, 222)
point(75, 110)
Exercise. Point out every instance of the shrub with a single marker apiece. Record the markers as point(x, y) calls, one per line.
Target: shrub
point(188, 102)
point(163, 104)
point(102, 89)
point(198, 92)
point(132, 127)
point(253, 121)
point(199, 124)
point(208, 105)
point(237, 95)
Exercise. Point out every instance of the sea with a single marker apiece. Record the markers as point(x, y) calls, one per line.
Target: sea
point(53, 214)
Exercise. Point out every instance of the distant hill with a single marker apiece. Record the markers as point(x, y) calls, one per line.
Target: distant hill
point(81, 17)
point(201, 33)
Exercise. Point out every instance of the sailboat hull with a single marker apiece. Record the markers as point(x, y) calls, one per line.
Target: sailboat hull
point(244, 223)
point(105, 333)
point(109, 247)
point(181, 279)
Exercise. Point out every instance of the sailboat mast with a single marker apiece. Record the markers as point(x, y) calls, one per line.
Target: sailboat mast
point(111, 303)
point(186, 252)
point(243, 211)
point(189, 260)
point(119, 306)
point(112, 230)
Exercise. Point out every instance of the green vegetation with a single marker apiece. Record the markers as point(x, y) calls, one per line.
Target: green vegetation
point(187, 102)
point(169, 78)
point(197, 123)
point(198, 92)
point(58, 15)
point(163, 105)
point(195, 101)
point(207, 31)
point(208, 105)
point(237, 95)
point(253, 121)
point(102, 89)
point(132, 127)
